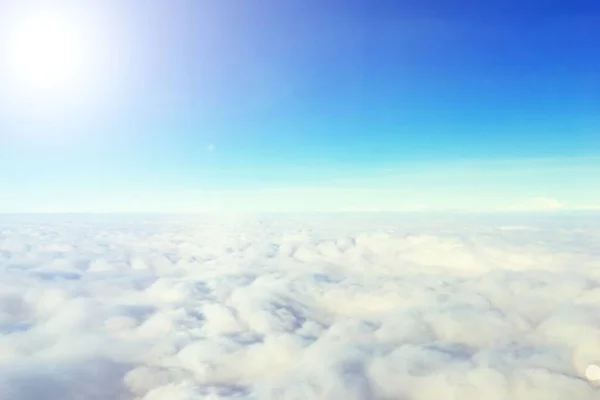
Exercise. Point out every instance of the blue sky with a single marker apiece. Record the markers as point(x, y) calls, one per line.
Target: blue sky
point(318, 106)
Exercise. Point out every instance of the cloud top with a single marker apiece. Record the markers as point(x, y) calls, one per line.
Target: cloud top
point(355, 306)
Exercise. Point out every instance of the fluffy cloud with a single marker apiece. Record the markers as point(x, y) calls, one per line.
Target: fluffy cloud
point(345, 306)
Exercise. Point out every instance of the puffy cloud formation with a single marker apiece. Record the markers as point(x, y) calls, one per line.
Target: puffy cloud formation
point(300, 307)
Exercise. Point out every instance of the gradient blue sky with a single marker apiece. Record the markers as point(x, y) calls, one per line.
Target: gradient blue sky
point(331, 105)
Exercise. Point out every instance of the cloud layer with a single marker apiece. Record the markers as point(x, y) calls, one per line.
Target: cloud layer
point(299, 307)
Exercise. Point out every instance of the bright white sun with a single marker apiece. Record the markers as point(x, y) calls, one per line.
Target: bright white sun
point(47, 52)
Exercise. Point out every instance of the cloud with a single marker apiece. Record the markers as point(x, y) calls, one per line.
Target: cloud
point(540, 204)
point(545, 203)
point(338, 306)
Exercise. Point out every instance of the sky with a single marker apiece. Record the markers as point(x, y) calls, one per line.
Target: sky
point(310, 106)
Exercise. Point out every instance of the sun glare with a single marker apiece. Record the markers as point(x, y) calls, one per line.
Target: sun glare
point(47, 52)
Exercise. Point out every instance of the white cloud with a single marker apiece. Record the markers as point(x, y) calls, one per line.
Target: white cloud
point(347, 306)
point(545, 203)
point(539, 204)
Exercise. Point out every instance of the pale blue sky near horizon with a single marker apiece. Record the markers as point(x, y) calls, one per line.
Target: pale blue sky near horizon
point(315, 106)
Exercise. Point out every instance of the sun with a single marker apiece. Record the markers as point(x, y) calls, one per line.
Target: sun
point(47, 52)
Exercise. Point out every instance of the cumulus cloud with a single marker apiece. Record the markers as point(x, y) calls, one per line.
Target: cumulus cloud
point(346, 306)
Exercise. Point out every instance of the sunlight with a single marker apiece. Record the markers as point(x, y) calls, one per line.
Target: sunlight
point(59, 69)
point(47, 52)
